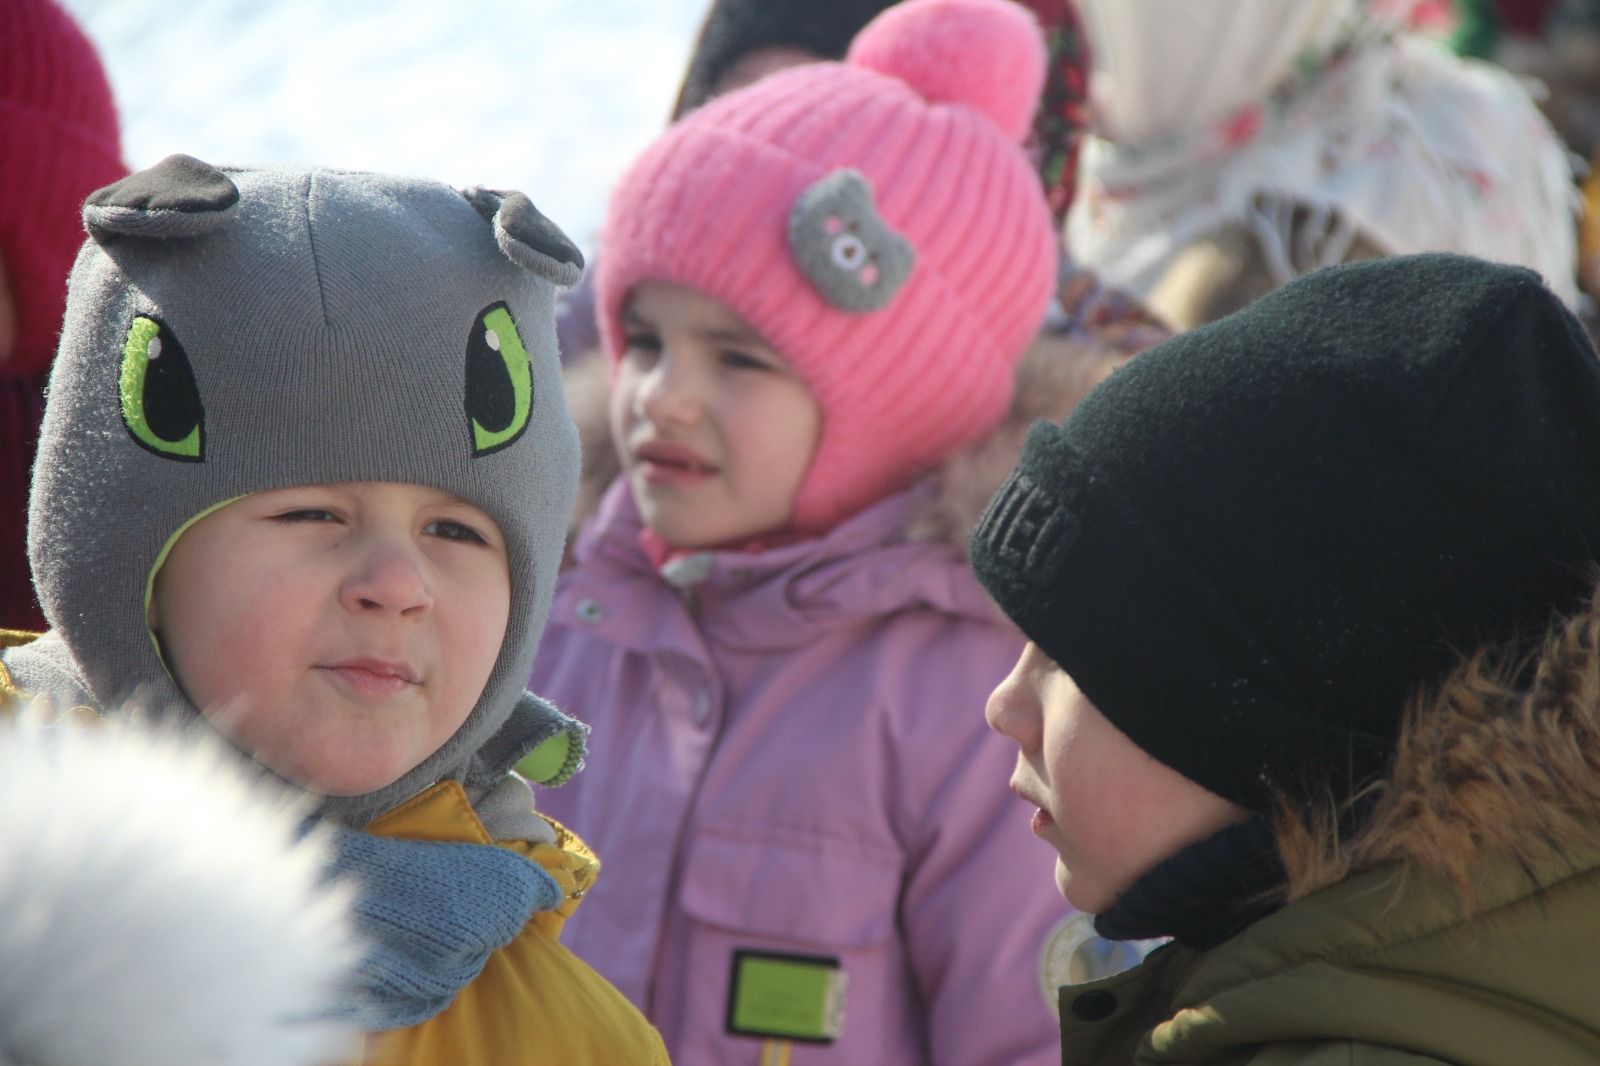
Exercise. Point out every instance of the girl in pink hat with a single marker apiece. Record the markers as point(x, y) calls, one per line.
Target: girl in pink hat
point(816, 296)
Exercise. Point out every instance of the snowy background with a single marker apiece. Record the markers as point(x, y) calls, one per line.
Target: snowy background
point(552, 97)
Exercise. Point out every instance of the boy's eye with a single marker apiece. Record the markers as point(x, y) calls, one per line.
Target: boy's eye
point(305, 514)
point(448, 529)
point(160, 401)
point(499, 381)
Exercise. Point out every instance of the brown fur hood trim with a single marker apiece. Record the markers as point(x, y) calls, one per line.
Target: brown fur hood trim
point(587, 384)
point(1500, 760)
point(1056, 372)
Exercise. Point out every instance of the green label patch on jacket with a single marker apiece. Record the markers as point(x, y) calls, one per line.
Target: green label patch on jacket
point(791, 997)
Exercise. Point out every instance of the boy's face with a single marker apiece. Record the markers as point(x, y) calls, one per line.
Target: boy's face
point(714, 428)
point(338, 633)
point(1111, 811)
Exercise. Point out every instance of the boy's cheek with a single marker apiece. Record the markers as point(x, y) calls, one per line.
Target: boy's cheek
point(231, 717)
point(474, 645)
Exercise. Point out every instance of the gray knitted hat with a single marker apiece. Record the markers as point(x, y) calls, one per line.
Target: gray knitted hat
point(235, 330)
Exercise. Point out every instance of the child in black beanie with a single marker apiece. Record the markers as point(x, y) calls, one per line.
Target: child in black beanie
point(1313, 684)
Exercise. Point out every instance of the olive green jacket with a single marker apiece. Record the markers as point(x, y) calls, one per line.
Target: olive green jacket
point(1384, 961)
point(1374, 971)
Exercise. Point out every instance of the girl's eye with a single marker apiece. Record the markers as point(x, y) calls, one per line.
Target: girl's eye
point(641, 347)
point(742, 361)
point(446, 529)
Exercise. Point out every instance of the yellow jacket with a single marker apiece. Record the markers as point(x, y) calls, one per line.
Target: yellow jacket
point(535, 1002)
point(9, 694)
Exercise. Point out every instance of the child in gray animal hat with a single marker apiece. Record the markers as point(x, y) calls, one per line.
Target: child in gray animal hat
point(303, 476)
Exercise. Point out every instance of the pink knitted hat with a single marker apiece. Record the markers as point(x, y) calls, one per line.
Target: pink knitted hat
point(877, 221)
point(58, 127)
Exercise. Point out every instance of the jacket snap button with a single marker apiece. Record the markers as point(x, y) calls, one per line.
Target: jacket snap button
point(702, 708)
point(1094, 1006)
point(591, 612)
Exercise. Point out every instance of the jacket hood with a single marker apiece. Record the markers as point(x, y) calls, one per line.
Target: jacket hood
point(864, 568)
point(1499, 761)
point(1455, 924)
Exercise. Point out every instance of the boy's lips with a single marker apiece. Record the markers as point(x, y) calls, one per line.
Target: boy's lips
point(665, 461)
point(368, 676)
point(1042, 819)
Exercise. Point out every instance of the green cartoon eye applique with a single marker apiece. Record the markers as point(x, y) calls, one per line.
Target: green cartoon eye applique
point(160, 401)
point(499, 381)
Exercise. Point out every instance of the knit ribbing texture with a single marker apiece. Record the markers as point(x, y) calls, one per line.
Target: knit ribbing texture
point(1251, 545)
point(61, 143)
point(326, 318)
point(708, 206)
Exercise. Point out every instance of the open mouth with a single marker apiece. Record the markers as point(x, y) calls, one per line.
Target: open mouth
point(672, 459)
point(1042, 819)
point(690, 466)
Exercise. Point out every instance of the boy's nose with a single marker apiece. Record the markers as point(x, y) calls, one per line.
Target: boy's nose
point(388, 578)
point(1008, 710)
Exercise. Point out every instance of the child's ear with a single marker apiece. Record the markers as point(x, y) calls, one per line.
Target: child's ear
point(526, 236)
point(178, 197)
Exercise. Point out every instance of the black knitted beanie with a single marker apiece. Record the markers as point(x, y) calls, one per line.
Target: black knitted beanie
point(1252, 543)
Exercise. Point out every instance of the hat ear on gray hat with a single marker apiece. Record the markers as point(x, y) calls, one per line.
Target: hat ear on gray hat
point(180, 196)
point(526, 236)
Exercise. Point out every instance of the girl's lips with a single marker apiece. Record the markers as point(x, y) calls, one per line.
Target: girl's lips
point(665, 474)
point(671, 464)
point(667, 453)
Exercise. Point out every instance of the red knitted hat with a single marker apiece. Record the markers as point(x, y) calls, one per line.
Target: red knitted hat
point(877, 221)
point(58, 125)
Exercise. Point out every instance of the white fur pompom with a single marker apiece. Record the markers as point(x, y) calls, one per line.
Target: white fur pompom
point(156, 907)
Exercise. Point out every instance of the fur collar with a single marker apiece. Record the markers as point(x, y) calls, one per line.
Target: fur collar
point(1501, 760)
point(160, 903)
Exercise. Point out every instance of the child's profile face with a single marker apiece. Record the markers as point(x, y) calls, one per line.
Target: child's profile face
point(338, 633)
point(714, 428)
point(1111, 811)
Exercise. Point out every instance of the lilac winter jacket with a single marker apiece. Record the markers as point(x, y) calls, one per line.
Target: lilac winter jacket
point(791, 757)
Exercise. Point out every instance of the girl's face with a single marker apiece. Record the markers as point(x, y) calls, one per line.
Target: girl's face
point(338, 633)
point(1111, 811)
point(714, 428)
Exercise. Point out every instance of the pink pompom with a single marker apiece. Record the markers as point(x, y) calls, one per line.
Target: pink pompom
point(987, 54)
